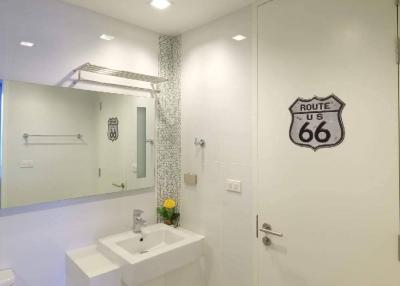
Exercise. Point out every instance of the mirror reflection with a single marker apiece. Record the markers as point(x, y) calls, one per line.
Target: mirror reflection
point(60, 143)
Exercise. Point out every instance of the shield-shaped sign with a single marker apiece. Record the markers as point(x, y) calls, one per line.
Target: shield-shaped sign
point(317, 122)
point(112, 133)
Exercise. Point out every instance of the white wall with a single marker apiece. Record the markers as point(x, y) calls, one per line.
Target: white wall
point(33, 240)
point(216, 106)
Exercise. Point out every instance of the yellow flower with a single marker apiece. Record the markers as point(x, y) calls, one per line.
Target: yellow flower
point(169, 204)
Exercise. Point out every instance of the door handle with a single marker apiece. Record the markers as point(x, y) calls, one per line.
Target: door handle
point(267, 229)
point(122, 186)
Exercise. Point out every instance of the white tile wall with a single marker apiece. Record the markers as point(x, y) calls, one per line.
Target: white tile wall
point(216, 87)
point(33, 240)
point(216, 106)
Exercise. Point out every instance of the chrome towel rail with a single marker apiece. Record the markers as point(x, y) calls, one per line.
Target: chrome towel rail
point(88, 67)
point(26, 135)
point(118, 85)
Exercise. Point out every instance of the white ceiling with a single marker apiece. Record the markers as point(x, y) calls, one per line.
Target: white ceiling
point(181, 16)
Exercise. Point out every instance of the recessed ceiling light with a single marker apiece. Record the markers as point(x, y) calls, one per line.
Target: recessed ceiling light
point(107, 37)
point(239, 38)
point(160, 4)
point(27, 44)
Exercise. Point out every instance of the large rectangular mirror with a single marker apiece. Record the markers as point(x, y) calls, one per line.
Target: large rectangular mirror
point(60, 143)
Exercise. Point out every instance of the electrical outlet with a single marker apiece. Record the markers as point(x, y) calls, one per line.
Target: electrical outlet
point(26, 164)
point(233, 186)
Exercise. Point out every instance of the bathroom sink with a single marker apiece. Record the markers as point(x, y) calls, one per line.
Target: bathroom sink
point(157, 251)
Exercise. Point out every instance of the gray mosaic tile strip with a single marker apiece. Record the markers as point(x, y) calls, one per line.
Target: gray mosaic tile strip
point(168, 105)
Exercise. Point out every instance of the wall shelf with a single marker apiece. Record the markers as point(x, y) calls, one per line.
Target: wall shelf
point(88, 67)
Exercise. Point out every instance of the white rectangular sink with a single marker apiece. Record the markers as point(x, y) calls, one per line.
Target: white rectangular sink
point(162, 250)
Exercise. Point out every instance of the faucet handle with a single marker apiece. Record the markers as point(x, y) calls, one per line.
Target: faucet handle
point(137, 212)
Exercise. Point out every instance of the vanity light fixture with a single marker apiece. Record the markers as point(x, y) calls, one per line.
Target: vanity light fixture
point(160, 4)
point(239, 38)
point(27, 44)
point(107, 37)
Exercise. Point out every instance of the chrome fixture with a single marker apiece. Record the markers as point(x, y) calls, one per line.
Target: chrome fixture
point(113, 85)
point(118, 73)
point(153, 80)
point(267, 229)
point(199, 142)
point(122, 185)
point(138, 221)
point(26, 135)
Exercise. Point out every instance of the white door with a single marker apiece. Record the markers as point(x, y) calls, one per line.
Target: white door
point(338, 208)
point(121, 162)
point(112, 152)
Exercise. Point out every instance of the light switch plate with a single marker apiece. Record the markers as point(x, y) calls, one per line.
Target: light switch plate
point(26, 164)
point(233, 186)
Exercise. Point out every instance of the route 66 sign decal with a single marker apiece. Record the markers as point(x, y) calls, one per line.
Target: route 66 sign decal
point(113, 132)
point(317, 122)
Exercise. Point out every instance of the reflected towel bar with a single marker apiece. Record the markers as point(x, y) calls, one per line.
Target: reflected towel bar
point(26, 135)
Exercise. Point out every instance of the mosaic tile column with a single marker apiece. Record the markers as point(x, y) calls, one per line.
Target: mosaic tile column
point(168, 106)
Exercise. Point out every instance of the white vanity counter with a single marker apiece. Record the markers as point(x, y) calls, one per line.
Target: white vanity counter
point(134, 259)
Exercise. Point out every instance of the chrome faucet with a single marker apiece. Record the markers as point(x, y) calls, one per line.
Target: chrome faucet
point(138, 221)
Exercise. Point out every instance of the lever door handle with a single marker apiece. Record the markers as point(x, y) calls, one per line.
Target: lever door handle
point(267, 229)
point(122, 186)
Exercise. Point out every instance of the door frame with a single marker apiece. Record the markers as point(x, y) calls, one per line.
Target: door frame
point(254, 122)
